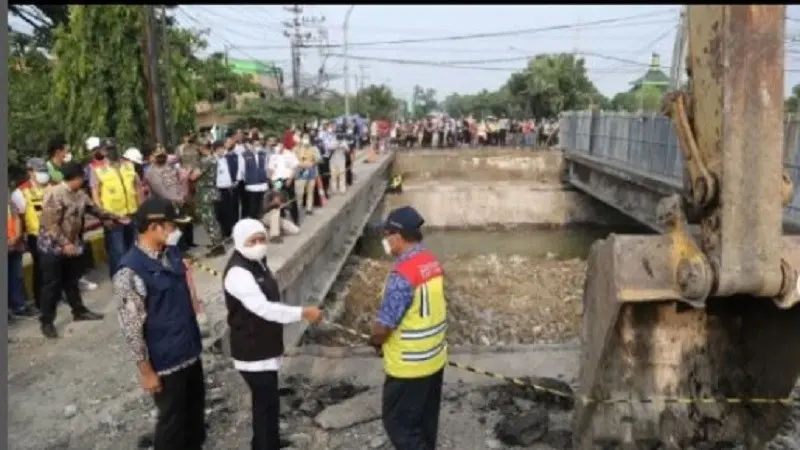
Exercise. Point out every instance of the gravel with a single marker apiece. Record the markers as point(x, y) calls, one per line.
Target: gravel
point(492, 300)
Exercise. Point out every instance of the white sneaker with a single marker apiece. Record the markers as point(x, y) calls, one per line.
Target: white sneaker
point(86, 284)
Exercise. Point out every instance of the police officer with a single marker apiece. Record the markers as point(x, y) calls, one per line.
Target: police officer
point(160, 326)
point(409, 331)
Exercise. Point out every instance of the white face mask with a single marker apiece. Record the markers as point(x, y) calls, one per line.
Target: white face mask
point(386, 247)
point(68, 157)
point(174, 237)
point(42, 177)
point(255, 252)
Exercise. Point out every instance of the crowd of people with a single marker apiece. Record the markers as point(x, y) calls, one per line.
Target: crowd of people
point(442, 131)
point(246, 190)
point(217, 182)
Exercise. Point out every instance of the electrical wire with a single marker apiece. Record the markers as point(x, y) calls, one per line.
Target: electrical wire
point(615, 22)
point(239, 21)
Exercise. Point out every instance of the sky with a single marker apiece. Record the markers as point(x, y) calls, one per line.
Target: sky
point(617, 41)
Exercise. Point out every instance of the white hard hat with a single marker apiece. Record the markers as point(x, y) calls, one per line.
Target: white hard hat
point(92, 143)
point(133, 155)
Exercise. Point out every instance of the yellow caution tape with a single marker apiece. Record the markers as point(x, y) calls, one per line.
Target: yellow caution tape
point(788, 401)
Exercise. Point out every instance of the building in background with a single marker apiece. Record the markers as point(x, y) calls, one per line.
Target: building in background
point(264, 73)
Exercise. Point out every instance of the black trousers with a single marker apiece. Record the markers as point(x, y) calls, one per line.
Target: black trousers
point(411, 411)
point(33, 249)
point(226, 210)
point(291, 199)
point(60, 274)
point(253, 202)
point(181, 408)
point(348, 167)
point(240, 205)
point(324, 170)
point(266, 407)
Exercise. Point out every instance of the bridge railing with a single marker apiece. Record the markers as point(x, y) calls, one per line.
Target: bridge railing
point(647, 143)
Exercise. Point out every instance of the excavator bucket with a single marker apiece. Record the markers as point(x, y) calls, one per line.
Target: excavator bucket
point(657, 373)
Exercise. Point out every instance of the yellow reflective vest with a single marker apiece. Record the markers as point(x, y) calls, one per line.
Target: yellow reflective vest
point(118, 188)
point(34, 197)
point(418, 346)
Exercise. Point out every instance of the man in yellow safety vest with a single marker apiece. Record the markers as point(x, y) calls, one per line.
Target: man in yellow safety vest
point(409, 331)
point(115, 188)
point(27, 199)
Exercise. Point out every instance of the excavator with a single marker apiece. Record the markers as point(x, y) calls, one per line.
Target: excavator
point(691, 338)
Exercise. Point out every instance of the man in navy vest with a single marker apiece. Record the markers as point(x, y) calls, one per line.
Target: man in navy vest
point(159, 323)
point(256, 182)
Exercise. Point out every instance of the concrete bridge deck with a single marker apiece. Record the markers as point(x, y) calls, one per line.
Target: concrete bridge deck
point(630, 162)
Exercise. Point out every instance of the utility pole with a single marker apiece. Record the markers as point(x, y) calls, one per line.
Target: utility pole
point(168, 112)
point(345, 29)
point(158, 132)
point(299, 38)
point(225, 52)
point(678, 52)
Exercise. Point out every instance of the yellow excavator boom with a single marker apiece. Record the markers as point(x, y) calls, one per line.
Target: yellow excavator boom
point(694, 338)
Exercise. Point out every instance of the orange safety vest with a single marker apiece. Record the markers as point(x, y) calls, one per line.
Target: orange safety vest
point(12, 225)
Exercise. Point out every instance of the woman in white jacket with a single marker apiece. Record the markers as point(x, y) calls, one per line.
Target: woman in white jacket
point(256, 318)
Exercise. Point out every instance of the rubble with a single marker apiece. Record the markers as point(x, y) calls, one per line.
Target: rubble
point(492, 300)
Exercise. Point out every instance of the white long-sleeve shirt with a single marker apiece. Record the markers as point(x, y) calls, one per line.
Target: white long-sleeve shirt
point(242, 285)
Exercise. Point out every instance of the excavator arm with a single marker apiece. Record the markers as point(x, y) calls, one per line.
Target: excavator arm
point(693, 338)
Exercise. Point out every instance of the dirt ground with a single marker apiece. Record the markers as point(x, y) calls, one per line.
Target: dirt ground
point(492, 300)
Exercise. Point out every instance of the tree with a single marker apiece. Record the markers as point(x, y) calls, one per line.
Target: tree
point(100, 77)
point(424, 101)
point(790, 105)
point(624, 101)
point(376, 101)
point(552, 83)
point(30, 122)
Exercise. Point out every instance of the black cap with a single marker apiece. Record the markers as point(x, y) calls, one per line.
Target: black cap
point(155, 209)
point(404, 218)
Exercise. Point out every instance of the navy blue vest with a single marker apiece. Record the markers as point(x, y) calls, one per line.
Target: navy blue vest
point(255, 168)
point(171, 330)
point(233, 166)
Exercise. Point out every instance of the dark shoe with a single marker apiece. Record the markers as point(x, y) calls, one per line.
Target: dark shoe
point(49, 331)
point(11, 319)
point(276, 240)
point(285, 443)
point(27, 312)
point(309, 213)
point(85, 316)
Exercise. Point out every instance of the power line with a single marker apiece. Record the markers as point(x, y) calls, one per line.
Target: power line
point(240, 21)
point(569, 26)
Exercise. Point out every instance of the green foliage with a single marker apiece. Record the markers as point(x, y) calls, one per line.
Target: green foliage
point(30, 123)
point(91, 81)
point(649, 98)
point(549, 84)
point(790, 105)
point(377, 101)
point(424, 101)
point(99, 75)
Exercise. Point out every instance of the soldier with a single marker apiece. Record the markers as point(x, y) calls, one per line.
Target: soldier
point(206, 196)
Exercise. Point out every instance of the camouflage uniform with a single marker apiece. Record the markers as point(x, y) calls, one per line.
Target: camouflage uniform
point(206, 196)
